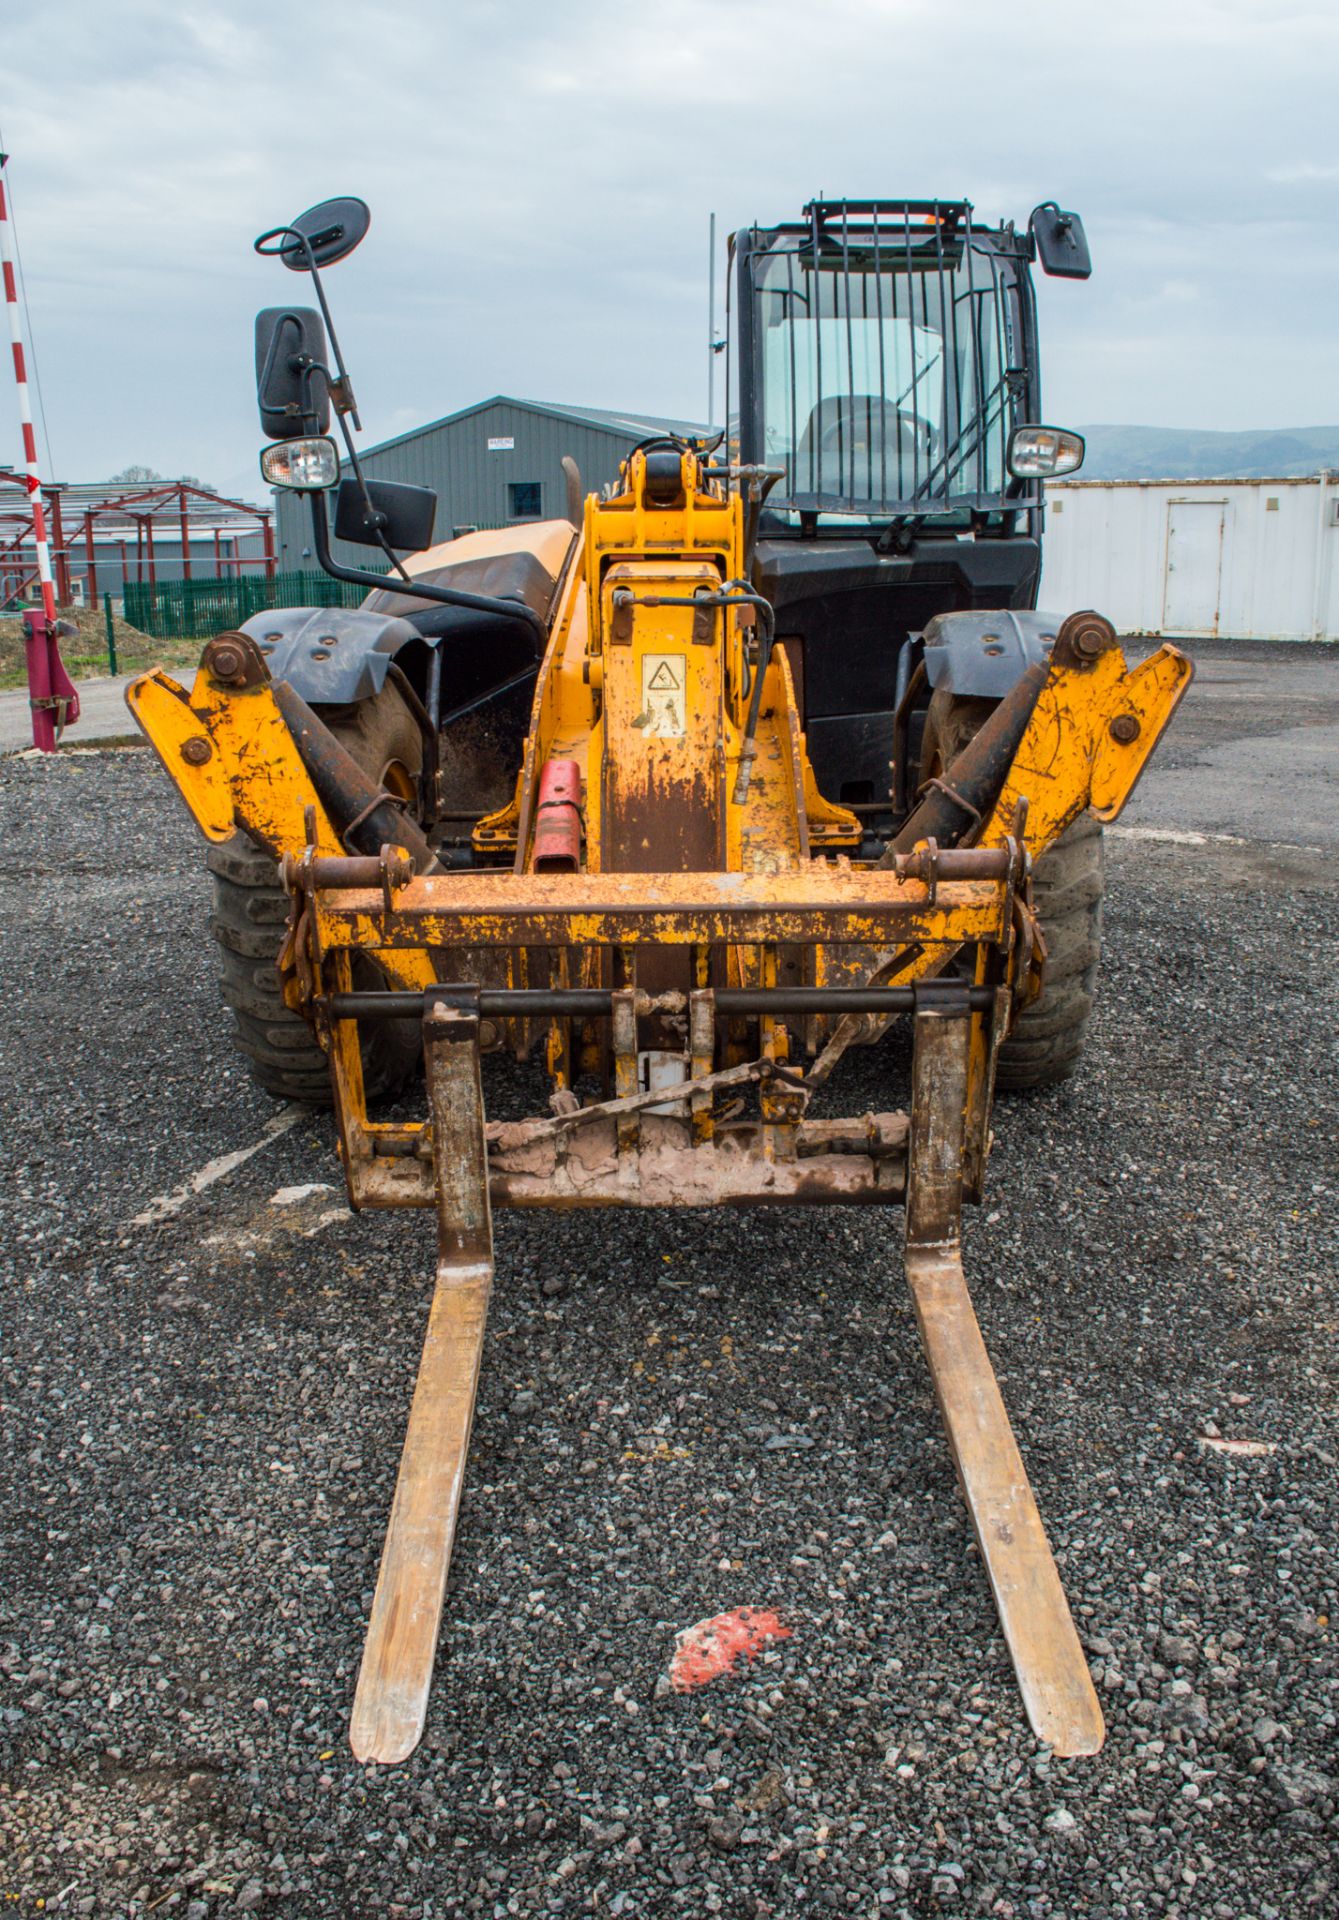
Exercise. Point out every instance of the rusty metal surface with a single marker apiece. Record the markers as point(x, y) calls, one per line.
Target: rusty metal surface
point(956, 803)
point(819, 905)
point(363, 814)
point(396, 1672)
point(846, 1162)
point(1070, 758)
point(1048, 1661)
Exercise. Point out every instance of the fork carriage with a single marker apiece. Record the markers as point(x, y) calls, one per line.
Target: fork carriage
point(631, 1151)
point(665, 1145)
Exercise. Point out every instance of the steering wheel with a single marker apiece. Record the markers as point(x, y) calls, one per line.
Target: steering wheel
point(870, 429)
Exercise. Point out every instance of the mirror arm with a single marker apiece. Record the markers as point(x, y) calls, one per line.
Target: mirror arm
point(341, 389)
point(420, 590)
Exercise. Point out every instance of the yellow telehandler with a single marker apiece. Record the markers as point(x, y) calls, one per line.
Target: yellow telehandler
point(798, 759)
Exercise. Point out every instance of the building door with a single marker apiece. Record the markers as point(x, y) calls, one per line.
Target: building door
point(1194, 566)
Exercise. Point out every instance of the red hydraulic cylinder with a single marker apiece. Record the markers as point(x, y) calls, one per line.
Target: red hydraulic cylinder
point(558, 818)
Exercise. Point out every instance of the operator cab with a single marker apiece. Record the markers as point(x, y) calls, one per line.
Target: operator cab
point(888, 378)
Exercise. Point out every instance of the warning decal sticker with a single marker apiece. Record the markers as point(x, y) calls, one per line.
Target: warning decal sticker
point(663, 676)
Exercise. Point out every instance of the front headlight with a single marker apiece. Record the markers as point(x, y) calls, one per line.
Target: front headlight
point(303, 466)
point(1035, 453)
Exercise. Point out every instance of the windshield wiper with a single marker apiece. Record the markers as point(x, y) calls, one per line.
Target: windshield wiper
point(900, 534)
point(969, 442)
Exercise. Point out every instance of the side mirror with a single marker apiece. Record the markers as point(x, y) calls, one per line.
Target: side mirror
point(404, 515)
point(292, 386)
point(1062, 245)
point(320, 236)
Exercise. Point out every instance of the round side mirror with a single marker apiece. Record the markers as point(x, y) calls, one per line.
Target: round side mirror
point(320, 236)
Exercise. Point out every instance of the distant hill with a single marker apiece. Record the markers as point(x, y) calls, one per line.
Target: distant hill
point(1181, 453)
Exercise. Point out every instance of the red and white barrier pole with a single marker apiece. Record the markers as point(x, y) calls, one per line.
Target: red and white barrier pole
point(50, 691)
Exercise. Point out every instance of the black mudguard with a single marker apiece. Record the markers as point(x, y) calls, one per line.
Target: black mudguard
point(331, 656)
point(334, 656)
point(983, 653)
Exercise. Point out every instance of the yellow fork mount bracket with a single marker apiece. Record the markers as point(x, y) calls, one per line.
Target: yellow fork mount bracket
point(1091, 734)
point(391, 1701)
point(231, 757)
point(1039, 1630)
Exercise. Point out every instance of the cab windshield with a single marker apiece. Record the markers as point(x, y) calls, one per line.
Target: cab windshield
point(884, 374)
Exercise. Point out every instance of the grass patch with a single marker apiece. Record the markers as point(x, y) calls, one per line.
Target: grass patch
point(85, 652)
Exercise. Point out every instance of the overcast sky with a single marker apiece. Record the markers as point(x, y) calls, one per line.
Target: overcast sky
point(541, 176)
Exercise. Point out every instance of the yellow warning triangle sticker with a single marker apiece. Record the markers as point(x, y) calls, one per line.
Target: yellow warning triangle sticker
point(664, 680)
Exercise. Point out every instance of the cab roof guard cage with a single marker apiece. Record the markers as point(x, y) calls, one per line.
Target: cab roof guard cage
point(946, 213)
point(919, 427)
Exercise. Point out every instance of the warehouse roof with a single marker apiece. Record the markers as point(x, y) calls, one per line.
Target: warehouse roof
point(601, 418)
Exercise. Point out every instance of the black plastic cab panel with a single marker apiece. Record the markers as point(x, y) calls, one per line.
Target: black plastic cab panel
point(846, 613)
point(852, 609)
point(851, 756)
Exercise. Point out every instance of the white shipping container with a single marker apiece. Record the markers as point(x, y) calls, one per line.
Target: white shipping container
point(1249, 559)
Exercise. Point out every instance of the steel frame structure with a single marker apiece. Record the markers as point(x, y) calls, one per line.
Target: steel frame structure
point(145, 508)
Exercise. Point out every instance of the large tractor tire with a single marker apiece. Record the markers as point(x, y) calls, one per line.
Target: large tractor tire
point(1048, 1037)
point(250, 909)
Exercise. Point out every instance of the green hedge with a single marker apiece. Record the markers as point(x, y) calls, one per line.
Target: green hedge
point(195, 609)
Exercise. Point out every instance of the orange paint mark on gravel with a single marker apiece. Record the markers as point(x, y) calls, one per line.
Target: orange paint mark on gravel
point(716, 1646)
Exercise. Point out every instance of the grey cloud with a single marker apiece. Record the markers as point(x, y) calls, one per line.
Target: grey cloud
point(541, 178)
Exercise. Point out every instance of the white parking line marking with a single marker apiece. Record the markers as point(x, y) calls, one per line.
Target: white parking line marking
point(293, 1196)
point(167, 1204)
point(1184, 837)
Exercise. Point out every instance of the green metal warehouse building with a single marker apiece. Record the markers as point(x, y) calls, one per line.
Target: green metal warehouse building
point(491, 464)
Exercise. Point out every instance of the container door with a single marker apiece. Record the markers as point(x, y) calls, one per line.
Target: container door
point(1194, 566)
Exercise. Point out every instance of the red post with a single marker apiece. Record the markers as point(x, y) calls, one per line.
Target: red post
point(218, 564)
point(60, 553)
point(267, 536)
point(139, 554)
point(52, 698)
point(185, 537)
point(92, 561)
point(148, 538)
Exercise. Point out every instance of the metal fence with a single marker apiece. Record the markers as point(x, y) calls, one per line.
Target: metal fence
point(195, 609)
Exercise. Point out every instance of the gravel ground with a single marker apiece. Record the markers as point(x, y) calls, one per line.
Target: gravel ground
point(679, 1415)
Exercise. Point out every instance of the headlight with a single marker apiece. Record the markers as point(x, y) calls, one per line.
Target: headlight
point(1035, 453)
point(304, 466)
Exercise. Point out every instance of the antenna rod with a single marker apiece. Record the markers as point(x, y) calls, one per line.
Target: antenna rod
point(711, 325)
